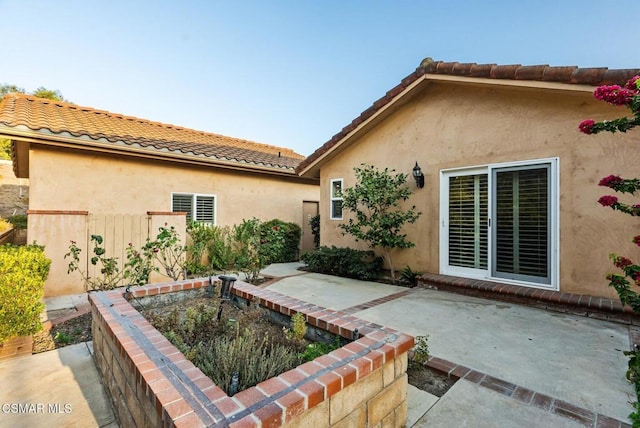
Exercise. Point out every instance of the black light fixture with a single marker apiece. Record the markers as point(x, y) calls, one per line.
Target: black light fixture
point(227, 287)
point(418, 176)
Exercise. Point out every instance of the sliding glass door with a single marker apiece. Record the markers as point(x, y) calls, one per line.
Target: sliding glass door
point(499, 221)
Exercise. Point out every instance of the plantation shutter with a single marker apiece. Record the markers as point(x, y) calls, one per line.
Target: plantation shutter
point(204, 209)
point(522, 223)
point(182, 203)
point(468, 215)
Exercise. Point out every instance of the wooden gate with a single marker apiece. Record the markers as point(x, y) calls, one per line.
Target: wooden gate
point(117, 231)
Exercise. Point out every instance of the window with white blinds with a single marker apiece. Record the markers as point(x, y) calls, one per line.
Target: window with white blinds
point(198, 207)
point(468, 213)
point(336, 199)
point(500, 221)
point(522, 223)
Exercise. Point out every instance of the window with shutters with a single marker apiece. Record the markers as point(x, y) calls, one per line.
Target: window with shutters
point(501, 221)
point(198, 207)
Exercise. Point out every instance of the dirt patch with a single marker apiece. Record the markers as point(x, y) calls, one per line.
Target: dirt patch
point(75, 330)
point(429, 380)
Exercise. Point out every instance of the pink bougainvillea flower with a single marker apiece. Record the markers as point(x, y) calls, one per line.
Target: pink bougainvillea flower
point(610, 181)
point(614, 94)
point(608, 201)
point(586, 126)
point(633, 83)
point(622, 262)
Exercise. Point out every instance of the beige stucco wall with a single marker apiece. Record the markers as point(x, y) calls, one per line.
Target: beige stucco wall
point(453, 125)
point(104, 184)
point(62, 180)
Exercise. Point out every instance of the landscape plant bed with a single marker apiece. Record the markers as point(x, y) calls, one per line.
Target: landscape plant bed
point(223, 338)
point(152, 383)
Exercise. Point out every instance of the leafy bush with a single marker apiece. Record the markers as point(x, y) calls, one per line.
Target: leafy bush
point(201, 235)
point(256, 247)
point(18, 221)
point(254, 358)
point(346, 262)
point(289, 244)
point(4, 225)
point(221, 249)
point(23, 270)
point(314, 222)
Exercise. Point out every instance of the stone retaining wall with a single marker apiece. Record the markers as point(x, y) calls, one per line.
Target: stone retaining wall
point(151, 383)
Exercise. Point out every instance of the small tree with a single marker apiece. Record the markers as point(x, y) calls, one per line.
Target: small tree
point(377, 217)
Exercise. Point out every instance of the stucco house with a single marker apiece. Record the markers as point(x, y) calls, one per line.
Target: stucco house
point(92, 171)
point(510, 185)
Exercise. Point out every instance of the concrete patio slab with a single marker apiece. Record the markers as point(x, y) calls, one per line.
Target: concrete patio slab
point(576, 359)
point(418, 403)
point(58, 388)
point(469, 405)
point(332, 292)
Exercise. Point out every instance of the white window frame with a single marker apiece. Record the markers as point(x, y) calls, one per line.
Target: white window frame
point(554, 223)
point(194, 198)
point(333, 198)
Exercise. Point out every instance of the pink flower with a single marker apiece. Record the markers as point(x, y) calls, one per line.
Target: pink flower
point(614, 94)
point(622, 262)
point(610, 181)
point(608, 201)
point(633, 84)
point(586, 126)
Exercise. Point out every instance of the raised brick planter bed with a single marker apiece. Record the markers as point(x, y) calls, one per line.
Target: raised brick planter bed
point(151, 383)
point(16, 347)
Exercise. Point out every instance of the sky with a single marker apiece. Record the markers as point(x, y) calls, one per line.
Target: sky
point(289, 73)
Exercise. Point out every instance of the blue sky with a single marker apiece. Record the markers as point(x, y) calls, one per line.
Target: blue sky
point(288, 73)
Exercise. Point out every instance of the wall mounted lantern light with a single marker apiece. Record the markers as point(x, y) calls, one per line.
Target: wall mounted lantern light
point(418, 176)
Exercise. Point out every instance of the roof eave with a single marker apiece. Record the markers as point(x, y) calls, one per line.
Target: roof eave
point(23, 138)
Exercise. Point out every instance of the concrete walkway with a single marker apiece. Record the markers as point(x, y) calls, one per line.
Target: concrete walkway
point(530, 368)
point(556, 364)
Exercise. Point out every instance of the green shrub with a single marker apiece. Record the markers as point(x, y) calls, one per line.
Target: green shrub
point(221, 249)
point(201, 235)
point(289, 245)
point(18, 221)
point(253, 357)
point(314, 222)
point(346, 262)
point(4, 225)
point(23, 270)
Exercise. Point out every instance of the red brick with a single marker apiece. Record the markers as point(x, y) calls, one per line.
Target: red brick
point(542, 401)
point(249, 396)
point(293, 404)
point(363, 365)
point(310, 368)
point(348, 374)
point(332, 383)
point(189, 421)
point(314, 392)
point(177, 409)
point(568, 410)
point(272, 386)
point(292, 377)
point(270, 416)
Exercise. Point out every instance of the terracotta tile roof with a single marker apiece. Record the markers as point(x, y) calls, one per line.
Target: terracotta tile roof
point(543, 73)
point(47, 117)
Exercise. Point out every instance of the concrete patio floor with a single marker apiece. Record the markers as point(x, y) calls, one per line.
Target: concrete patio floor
point(531, 367)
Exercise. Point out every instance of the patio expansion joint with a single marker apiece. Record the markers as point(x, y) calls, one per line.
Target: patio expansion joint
point(524, 395)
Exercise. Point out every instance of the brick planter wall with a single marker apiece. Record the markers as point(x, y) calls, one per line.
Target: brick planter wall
point(16, 347)
point(152, 384)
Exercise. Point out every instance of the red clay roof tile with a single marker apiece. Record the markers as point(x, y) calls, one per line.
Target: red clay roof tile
point(543, 73)
point(60, 118)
